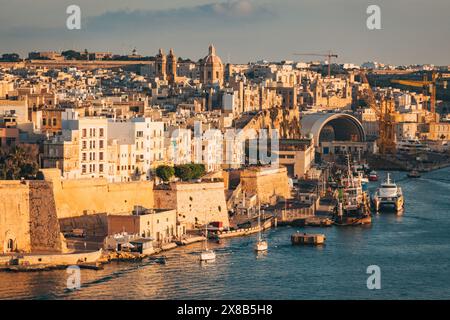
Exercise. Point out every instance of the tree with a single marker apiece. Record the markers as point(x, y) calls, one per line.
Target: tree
point(165, 172)
point(197, 170)
point(184, 172)
point(10, 57)
point(19, 162)
point(71, 55)
point(189, 171)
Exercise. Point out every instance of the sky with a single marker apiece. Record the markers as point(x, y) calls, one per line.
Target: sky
point(412, 31)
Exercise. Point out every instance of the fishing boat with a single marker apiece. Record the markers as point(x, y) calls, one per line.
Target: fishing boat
point(207, 254)
point(414, 174)
point(388, 194)
point(260, 245)
point(373, 176)
point(353, 207)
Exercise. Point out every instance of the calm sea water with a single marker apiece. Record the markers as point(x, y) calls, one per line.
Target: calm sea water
point(412, 250)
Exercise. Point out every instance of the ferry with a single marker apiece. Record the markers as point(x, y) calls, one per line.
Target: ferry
point(411, 146)
point(388, 194)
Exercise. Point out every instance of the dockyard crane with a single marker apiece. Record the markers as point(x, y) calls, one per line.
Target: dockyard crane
point(329, 55)
point(426, 84)
point(386, 120)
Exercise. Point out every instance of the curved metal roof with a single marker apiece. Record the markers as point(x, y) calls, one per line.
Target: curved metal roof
point(312, 123)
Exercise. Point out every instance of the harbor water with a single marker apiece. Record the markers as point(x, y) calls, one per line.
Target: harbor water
point(412, 251)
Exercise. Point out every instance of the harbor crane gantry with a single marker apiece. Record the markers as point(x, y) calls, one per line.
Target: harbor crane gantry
point(426, 84)
point(384, 111)
point(329, 55)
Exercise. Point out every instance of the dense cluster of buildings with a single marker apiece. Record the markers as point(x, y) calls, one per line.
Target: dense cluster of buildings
point(117, 121)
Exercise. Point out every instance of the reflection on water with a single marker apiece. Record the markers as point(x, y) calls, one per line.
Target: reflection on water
point(412, 250)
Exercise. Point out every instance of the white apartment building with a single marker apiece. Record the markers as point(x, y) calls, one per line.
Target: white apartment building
point(81, 149)
point(147, 136)
point(121, 161)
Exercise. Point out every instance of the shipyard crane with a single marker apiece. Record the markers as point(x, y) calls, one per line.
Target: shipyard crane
point(426, 84)
point(386, 120)
point(329, 55)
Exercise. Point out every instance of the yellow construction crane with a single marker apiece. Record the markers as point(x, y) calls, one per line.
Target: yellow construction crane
point(426, 84)
point(329, 55)
point(386, 120)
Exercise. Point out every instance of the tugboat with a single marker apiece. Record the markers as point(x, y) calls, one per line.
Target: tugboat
point(353, 207)
point(373, 176)
point(388, 194)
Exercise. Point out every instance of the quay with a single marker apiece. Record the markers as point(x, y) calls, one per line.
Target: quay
point(246, 231)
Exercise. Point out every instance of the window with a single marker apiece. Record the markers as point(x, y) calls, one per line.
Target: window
point(84, 145)
point(100, 167)
point(54, 122)
point(83, 169)
point(139, 134)
point(101, 132)
point(44, 121)
point(83, 156)
point(10, 244)
point(100, 156)
point(101, 144)
point(83, 133)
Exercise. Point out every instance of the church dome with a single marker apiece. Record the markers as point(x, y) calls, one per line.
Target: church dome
point(212, 58)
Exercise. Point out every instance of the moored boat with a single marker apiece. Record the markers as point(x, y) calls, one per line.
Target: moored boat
point(373, 176)
point(353, 207)
point(388, 194)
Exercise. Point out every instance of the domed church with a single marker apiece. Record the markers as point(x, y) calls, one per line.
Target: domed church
point(211, 69)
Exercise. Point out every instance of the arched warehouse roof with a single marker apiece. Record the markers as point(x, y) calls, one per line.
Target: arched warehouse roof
point(342, 126)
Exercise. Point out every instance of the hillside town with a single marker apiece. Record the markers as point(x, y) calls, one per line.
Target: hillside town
point(106, 152)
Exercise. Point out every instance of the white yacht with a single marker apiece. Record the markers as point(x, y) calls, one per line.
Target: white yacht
point(411, 146)
point(261, 245)
point(388, 194)
point(207, 254)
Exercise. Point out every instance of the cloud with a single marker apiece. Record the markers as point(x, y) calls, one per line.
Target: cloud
point(218, 14)
point(235, 8)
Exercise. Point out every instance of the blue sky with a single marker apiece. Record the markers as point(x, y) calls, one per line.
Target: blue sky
point(413, 31)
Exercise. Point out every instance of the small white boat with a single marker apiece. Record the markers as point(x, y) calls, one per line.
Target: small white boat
point(207, 254)
point(261, 245)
